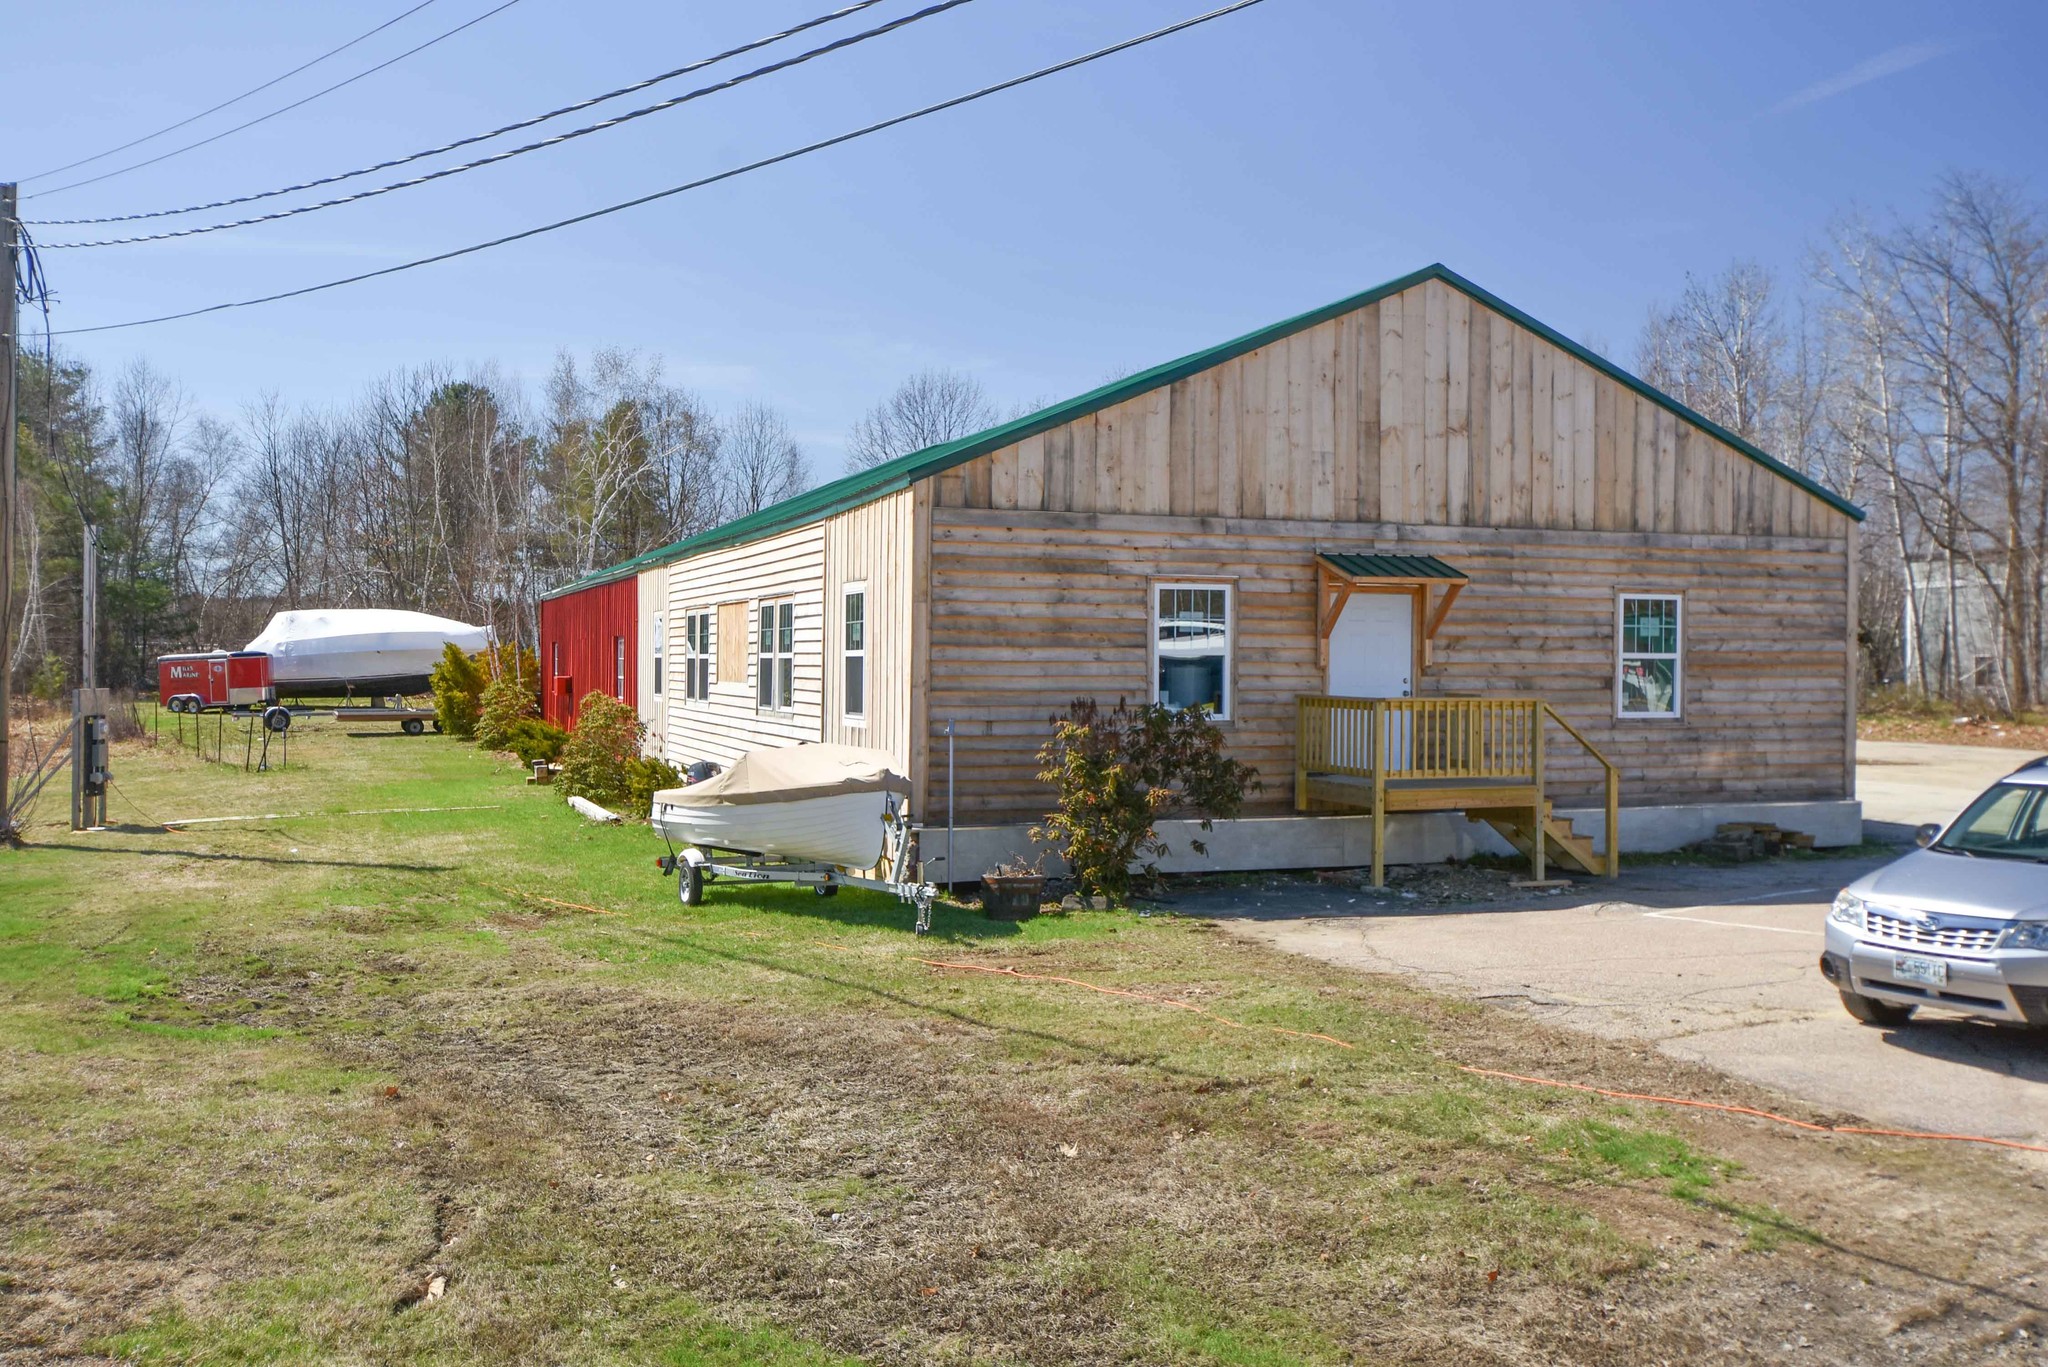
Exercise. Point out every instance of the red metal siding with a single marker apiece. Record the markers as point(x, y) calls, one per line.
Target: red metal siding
point(579, 633)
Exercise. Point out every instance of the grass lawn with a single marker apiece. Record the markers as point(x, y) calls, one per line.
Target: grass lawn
point(353, 1084)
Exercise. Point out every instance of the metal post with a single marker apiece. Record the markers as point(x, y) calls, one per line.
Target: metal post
point(9, 327)
point(949, 805)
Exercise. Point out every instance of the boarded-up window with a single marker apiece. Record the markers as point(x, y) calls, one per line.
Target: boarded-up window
point(731, 646)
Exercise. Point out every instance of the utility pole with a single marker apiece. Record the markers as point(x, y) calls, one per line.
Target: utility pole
point(89, 606)
point(10, 248)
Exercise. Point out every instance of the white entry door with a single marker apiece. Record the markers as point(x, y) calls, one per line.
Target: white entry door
point(1372, 647)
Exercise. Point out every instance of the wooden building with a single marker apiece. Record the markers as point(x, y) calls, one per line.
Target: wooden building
point(1447, 578)
point(591, 641)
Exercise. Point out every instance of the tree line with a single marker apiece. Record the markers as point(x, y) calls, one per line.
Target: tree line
point(462, 495)
point(1902, 367)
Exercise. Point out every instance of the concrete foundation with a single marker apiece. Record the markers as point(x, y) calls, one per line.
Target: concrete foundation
point(1339, 842)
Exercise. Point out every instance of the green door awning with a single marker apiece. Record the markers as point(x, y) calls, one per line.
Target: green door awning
point(1407, 568)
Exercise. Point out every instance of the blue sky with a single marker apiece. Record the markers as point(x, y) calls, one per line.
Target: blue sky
point(1577, 159)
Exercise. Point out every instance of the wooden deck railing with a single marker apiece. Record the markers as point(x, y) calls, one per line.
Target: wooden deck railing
point(1450, 741)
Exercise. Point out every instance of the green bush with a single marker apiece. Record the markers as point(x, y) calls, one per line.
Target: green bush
point(1118, 772)
point(507, 700)
point(458, 683)
point(645, 777)
point(534, 739)
point(50, 681)
point(604, 744)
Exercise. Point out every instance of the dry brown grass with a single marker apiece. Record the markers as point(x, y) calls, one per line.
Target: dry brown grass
point(258, 1127)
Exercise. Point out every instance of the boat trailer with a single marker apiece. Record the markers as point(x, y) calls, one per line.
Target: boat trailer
point(698, 865)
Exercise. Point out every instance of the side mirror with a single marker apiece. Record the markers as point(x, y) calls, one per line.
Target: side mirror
point(1927, 834)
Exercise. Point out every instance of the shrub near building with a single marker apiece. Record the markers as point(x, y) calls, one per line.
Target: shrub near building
point(597, 762)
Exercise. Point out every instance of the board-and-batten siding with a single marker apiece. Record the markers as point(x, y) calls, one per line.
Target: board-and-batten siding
point(721, 728)
point(872, 544)
point(652, 589)
point(1029, 612)
point(1426, 407)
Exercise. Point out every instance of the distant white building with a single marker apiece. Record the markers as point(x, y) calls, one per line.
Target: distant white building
point(1962, 649)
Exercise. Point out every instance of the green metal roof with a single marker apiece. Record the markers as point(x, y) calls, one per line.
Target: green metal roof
point(865, 486)
point(1390, 566)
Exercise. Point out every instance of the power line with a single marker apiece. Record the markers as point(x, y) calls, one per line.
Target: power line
point(262, 118)
point(580, 105)
point(791, 155)
point(559, 138)
point(253, 90)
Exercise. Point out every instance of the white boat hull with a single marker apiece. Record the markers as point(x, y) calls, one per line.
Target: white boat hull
point(359, 645)
point(845, 829)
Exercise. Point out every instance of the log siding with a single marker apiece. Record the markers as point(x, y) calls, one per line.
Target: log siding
point(1031, 611)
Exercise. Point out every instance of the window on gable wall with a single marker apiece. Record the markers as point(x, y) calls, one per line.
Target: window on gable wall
point(1191, 636)
point(775, 658)
point(1647, 681)
point(855, 600)
point(657, 654)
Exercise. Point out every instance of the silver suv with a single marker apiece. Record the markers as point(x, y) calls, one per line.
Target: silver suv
point(1961, 922)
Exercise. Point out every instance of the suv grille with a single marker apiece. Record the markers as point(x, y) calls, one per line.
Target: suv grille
point(1917, 934)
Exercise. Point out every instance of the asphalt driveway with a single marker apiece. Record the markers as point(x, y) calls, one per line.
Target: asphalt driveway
point(1712, 965)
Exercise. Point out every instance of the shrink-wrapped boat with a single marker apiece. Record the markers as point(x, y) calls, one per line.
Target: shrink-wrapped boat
point(372, 651)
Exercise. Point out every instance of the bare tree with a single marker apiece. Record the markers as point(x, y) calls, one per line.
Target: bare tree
point(762, 462)
point(1720, 350)
point(931, 407)
point(1974, 292)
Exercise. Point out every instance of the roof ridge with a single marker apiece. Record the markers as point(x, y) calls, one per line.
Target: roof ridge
point(865, 486)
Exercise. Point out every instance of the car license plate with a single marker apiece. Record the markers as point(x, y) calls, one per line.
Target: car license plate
point(1911, 969)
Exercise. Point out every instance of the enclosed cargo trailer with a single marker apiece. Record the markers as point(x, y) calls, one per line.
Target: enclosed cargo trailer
point(202, 680)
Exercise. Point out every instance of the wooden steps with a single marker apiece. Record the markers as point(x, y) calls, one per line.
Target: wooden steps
point(1562, 845)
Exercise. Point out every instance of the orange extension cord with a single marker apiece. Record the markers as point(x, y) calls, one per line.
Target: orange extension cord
point(1807, 1125)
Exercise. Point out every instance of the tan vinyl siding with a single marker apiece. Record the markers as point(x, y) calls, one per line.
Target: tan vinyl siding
point(1426, 407)
point(1031, 611)
point(789, 566)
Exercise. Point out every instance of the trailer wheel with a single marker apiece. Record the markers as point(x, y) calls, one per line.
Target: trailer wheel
point(437, 726)
point(413, 727)
point(276, 719)
point(693, 885)
point(826, 889)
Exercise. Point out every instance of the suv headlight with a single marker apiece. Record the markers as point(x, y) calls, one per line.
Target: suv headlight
point(2025, 935)
point(1847, 910)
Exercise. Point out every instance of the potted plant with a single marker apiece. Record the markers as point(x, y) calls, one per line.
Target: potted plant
point(1012, 890)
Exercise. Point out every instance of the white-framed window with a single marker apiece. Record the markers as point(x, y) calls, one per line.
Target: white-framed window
point(697, 654)
point(658, 653)
point(853, 601)
point(1649, 646)
point(775, 657)
point(619, 668)
point(1191, 646)
point(555, 657)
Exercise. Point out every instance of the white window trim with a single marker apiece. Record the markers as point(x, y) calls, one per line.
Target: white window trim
point(1229, 587)
point(1677, 657)
point(855, 720)
point(660, 671)
point(693, 658)
point(779, 708)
